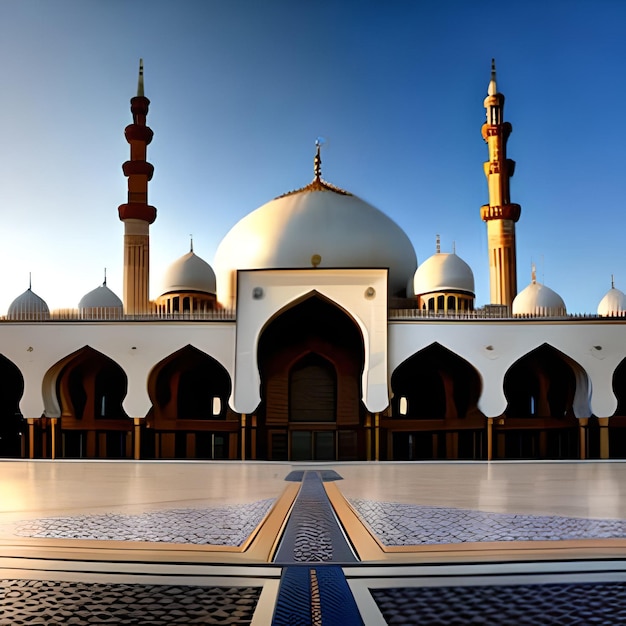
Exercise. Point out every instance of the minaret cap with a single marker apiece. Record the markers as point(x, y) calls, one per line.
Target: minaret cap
point(140, 92)
point(492, 90)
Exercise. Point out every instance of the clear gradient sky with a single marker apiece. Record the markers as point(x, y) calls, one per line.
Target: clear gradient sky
point(239, 91)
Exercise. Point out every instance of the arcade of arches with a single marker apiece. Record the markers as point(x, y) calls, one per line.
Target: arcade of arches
point(311, 359)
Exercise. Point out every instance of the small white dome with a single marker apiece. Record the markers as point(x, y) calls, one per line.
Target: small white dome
point(100, 298)
point(443, 272)
point(189, 273)
point(28, 306)
point(540, 301)
point(322, 221)
point(613, 304)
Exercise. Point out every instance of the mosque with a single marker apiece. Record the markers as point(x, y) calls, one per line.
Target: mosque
point(315, 336)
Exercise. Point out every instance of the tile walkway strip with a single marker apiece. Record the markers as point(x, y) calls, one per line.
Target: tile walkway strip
point(314, 595)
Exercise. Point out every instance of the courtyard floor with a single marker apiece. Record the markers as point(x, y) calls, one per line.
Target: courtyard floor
point(112, 542)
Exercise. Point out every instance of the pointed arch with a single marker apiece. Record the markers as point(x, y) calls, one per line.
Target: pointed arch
point(436, 383)
point(312, 296)
point(546, 391)
point(545, 382)
point(13, 426)
point(190, 418)
point(312, 324)
point(86, 390)
point(91, 386)
point(185, 385)
point(434, 408)
point(617, 423)
point(619, 388)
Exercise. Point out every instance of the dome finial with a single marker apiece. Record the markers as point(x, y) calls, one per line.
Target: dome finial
point(30, 281)
point(612, 282)
point(140, 80)
point(492, 90)
point(190, 243)
point(317, 162)
point(533, 273)
point(104, 284)
point(437, 244)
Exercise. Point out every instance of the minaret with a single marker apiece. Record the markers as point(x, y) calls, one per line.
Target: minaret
point(137, 214)
point(499, 214)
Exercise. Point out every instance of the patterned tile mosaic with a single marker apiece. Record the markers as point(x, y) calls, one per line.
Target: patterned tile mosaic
point(223, 526)
point(398, 524)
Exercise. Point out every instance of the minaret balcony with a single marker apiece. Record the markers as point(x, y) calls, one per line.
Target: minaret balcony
point(138, 168)
point(504, 212)
point(139, 105)
point(137, 211)
point(495, 130)
point(137, 132)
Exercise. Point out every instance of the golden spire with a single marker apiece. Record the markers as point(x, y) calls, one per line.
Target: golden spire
point(140, 92)
point(533, 273)
point(492, 90)
point(318, 183)
point(317, 161)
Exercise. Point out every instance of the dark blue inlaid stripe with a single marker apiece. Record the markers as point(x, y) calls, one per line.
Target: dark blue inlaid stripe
point(327, 476)
point(300, 588)
point(293, 605)
point(312, 534)
point(310, 595)
point(338, 605)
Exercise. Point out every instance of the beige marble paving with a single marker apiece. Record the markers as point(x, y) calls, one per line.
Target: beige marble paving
point(579, 489)
point(47, 488)
point(32, 489)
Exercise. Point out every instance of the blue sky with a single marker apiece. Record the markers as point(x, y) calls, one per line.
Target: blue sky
point(240, 90)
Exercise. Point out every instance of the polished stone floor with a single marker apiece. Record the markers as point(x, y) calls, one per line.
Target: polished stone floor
point(250, 543)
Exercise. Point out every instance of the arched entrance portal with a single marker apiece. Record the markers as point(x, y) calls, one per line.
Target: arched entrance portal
point(311, 359)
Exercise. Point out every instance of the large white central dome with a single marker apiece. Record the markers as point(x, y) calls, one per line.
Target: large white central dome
point(319, 219)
